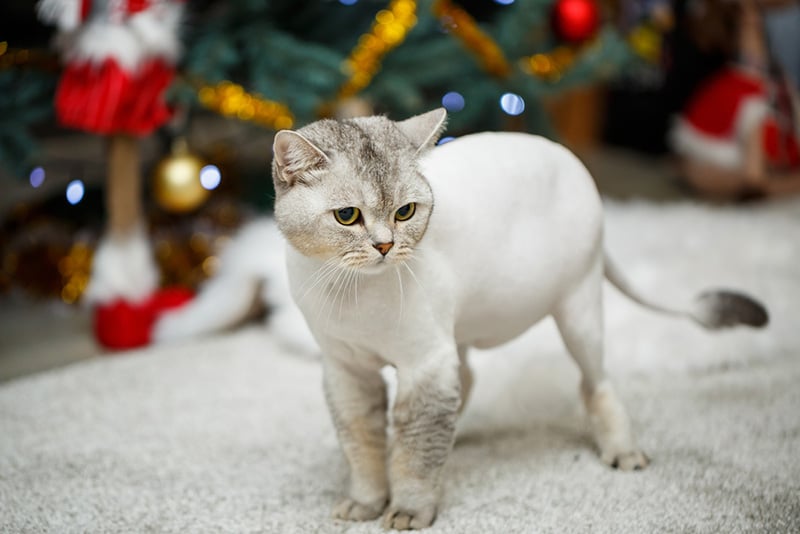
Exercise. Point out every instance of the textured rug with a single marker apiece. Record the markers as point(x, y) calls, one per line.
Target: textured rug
point(231, 433)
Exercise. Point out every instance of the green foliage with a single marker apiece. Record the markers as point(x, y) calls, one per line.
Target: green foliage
point(292, 51)
point(26, 100)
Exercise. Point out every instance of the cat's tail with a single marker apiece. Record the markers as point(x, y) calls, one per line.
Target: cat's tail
point(712, 309)
point(251, 278)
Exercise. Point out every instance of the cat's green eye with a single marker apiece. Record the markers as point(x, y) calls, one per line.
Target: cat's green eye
point(405, 212)
point(347, 216)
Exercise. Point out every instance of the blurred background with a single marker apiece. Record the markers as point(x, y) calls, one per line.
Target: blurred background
point(605, 77)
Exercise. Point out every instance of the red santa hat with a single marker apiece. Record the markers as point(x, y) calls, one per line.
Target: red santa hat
point(720, 115)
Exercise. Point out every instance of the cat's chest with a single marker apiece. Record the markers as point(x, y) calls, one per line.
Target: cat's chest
point(380, 312)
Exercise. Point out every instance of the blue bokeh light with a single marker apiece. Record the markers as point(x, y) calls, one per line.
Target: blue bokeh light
point(504, 2)
point(75, 191)
point(348, 2)
point(444, 140)
point(210, 177)
point(453, 101)
point(511, 103)
point(37, 177)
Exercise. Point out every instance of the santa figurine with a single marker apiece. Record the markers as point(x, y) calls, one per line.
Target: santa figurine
point(119, 59)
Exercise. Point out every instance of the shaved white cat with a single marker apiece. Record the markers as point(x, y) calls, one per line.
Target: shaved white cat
point(407, 255)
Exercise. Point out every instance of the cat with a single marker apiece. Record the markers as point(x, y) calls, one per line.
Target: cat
point(406, 254)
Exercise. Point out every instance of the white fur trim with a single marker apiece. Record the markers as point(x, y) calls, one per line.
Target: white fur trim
point(157, 29)
point(751, 114)
point(66, 14)
point(152, 33)
point(689, 142)
point(122, 268)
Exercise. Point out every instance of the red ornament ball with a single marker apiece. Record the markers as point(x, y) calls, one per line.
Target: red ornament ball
point(120, 324)
point(575, 21)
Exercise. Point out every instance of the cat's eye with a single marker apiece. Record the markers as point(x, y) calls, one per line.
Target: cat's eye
point(347, 216)
point(405, 212)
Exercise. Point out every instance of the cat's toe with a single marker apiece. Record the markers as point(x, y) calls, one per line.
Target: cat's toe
point(627, 461)
point(351, 510)
point(409, 520)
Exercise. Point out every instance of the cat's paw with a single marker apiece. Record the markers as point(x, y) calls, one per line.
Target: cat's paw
point(398, 519)
point(626, 461)
point(351, 510)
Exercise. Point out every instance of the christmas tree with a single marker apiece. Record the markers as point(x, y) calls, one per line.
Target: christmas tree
point(283, 63)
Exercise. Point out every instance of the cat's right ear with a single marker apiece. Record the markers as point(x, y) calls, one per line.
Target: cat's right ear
point(295, 155)
point(424, 130)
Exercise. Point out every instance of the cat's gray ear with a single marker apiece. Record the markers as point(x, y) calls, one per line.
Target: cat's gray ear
point(424, 130)
point(295, 155)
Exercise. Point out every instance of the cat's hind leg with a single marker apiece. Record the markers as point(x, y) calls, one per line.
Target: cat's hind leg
point(357, 402)
point(579, 317)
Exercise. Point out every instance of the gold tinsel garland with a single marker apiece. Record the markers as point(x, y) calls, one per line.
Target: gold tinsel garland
point(388, 31)
point(463, 26)
point(231, 100)
point(644, 40)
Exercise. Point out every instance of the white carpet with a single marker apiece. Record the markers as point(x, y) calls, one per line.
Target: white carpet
point(230, 434)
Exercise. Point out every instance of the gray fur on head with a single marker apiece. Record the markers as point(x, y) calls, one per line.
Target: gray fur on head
point(369, 163)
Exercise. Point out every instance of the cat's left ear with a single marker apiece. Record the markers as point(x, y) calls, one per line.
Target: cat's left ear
point(295, 155)
point(424, 130)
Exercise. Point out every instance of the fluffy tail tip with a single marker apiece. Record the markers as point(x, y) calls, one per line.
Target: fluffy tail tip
point(724, 309)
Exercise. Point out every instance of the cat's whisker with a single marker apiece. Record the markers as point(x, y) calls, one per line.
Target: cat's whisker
point(348, 282)
point(338, 284)
point(330, 280)
point(402, 295)
point(319, 275)
point(414, 276)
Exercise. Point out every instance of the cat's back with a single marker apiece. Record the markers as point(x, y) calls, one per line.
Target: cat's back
point(501, 180)
point(516, 219)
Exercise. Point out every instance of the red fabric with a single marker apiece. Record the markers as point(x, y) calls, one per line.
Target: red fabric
point(124, 325)
point(781, 149)
point(106, 99)
point(715, 106)
point(134, 6)
point(86, 6)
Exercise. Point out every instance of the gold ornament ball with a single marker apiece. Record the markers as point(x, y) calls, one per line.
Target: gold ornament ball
point(176, 181)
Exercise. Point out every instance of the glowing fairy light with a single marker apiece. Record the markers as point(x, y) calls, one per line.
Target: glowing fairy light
point(210, 177)
point(504, 2)
point(75, 191)
point(453, 101)
point(512, 104)
point(37, 177)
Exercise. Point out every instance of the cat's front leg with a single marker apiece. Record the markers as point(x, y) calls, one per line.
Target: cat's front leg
point(357, 401)
point(424, 417)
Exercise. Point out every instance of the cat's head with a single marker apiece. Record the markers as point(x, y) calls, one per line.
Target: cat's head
point(351, 191)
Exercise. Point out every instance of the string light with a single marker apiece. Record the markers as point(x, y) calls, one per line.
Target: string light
point(387, 32)
point(37, 177)
point(231, 100)
point(463, 26)
point(210, 177)
point(512, 103)
point(75, 191)
point(453, 101)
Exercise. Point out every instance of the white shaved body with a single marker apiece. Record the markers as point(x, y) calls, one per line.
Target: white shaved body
point(505, 229)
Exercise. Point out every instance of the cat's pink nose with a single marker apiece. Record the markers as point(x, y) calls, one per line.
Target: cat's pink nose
point(384, 248)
